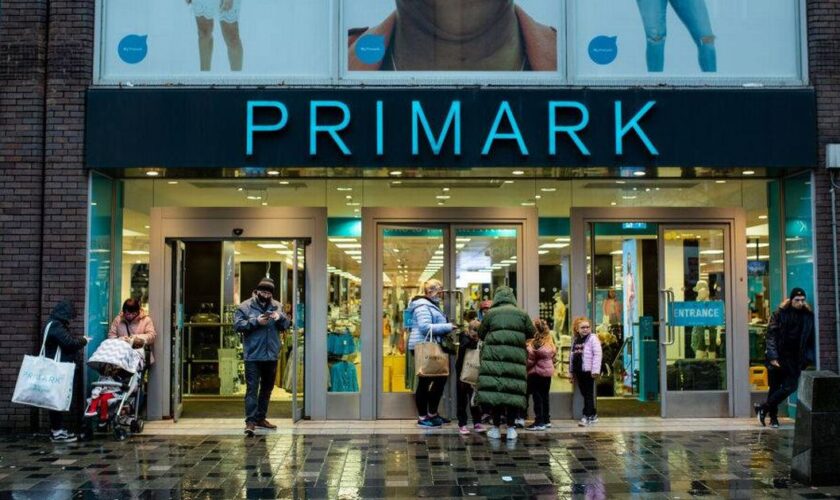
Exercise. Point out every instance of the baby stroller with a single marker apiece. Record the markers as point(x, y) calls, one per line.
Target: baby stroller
point(114, 402)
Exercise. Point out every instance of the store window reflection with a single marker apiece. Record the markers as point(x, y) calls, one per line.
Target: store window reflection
point(555, 309)
point(344, 257)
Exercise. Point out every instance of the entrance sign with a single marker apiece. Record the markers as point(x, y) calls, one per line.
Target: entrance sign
point(694, 313)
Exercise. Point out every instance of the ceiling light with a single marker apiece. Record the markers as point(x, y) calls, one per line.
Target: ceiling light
point(172, 183)
point(271, 246)
point(543, 252)
point(395, 183)
point(343, 189)
point(284, 252)
point(509, 182)
point(639, 173)
point(240, 189)
point(396, 172)
point(748, 172)
point(518, 172)
point(720, 181)
point(615, 252)
point(554, 245)
point(353, 204)
point(629, 197)
point(265, 203)
point(348, 245)
point(353, 252)
point(711, 252)
point(147, 227)
point(254, 197)
point(463, 240)
point(348, 197)
point(527, 203)
point(284, 183)
point(750, 246)
point(621, 182)
point(445, 190)
point(548, 190)
point(443, 197)
point(396, 250)
point(136, 252)
point(762, 217)
point(440, 203)
point(718, 261)
point(563, 239)
point(152, 173)
point(612, 203)
point(343, 240)
point(273, 172)
point(537, 197)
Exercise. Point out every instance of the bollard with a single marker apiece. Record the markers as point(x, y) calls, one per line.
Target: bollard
point(816, 442)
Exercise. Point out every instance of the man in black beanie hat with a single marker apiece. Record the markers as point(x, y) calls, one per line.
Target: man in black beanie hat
point(260, 320)
point(790, 349)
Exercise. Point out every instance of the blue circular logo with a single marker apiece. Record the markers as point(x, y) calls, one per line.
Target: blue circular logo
point(133, 48)
point(370, 49)
point(603, 49)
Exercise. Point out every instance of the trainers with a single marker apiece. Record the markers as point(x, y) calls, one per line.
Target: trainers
point(593, 419)
point(519, 423)
point(62, 436)
point(265, 424)
point(548, 425)
point(535, 427)
point(427, 422)
point(250, 429)
point(464, 430)
point(511, 434)
point(479, 428)
point(438, 420)
point(584, 422)
point(761, 414)
point(494, 433)
point(774, 422)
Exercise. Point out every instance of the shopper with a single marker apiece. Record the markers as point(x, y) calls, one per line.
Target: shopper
point(468, 340)
point(260, 320)
point(59, 337)
point(427, 318)
point(502, 380)
point(135, 327)
point(585, 367)
point(541, 352)
point(790, 349)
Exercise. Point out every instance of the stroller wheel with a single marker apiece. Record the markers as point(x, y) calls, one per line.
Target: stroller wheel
point(120, 434)
point(137, 426)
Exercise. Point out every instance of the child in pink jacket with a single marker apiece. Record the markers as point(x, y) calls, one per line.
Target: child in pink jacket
point(540, 365)
point(585, 366)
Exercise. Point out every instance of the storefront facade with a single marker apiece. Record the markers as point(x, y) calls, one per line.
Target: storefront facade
point(672, 208)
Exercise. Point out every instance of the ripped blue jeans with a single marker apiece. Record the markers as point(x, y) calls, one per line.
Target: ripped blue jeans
point(694, 15)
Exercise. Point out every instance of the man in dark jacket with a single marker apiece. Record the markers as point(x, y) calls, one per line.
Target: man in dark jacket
point(790, 349)
point(59, 337)
point(260, 320)
point(502, 379)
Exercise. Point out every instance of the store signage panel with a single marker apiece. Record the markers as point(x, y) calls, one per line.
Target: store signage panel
point(697, 313)
point(456, 128)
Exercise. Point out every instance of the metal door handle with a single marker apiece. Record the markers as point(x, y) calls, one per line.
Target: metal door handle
point(670, 336)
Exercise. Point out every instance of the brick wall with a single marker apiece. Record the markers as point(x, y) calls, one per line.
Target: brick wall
point(824, 62)
point(46, 65)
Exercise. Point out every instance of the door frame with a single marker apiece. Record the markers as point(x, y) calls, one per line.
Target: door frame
point(373, 218)
point(219, 223)
point(735, 219)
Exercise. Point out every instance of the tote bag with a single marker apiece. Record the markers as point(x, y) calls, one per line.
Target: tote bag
point(43, 382)
point(469, 372)
point(429, 358)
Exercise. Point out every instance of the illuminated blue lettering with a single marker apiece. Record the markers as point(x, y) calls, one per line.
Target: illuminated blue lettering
point(251, 127)
point(417, 115)
point(504, 111)
point(332, 130)
point(633, 124)
point(380, 125)
point(571, 130)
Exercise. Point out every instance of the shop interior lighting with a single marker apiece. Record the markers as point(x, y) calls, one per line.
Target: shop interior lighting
point(616, 252)
point(396, 173)
point(136, 252)
point(748, 172)
point(537, 197)
point(445, 190)
point(348, 197)
point(621, 182)
point(762, 217)
point(639, 173)
point(629, 197)
point(554, 245)
point(396, 183)
point(509, 182)
point(353, 204)
point(543, 252)
point(717, 261)
point(443, 197)
point(527, 203)
point(720, 181)
point(273, 172)
point(463, 240)
point(711, 252)
point(341, 188)
point(284, 183)
point(265, 203)
point(353, 252)
point(563, 239)
point(343, 240)
point(518, 172)
point(152, 173)
point(172, 183)
point(750, 246)
point(284, 252)
point(348, 245)
point(548, 190)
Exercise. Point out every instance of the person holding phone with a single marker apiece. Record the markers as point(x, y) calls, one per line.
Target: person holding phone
point(260, 320)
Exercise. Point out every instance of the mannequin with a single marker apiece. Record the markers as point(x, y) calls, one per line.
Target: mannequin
point(559, 314)
point(702, 336)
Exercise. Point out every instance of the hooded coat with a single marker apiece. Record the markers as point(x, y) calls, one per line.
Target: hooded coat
point(502, 377)
point(779, 336)
point(59, 333)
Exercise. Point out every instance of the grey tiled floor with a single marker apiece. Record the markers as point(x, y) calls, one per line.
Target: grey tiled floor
point(732, 464)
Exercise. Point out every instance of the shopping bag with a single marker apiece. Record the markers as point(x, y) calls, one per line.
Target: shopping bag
point(43, 382)
point(429, 359)
point(469, 372)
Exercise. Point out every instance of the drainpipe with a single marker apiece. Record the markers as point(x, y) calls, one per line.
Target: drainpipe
point(832, 157)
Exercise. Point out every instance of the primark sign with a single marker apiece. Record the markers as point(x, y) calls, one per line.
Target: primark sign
point(450, 128)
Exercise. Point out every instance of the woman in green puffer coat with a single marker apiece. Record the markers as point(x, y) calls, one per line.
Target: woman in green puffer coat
point(502, 379)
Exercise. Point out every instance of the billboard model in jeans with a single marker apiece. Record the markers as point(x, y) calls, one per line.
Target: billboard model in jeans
point(694, 15)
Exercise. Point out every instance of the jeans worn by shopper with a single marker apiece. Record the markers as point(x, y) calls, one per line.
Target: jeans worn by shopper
point(783, 382)
point(428, 393)
point(694, 15)
point(259, 378)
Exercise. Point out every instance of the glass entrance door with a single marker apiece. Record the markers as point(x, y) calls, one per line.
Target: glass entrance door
point(471, 261)
point(178, 270)
point(298, 328)
point(694, 319)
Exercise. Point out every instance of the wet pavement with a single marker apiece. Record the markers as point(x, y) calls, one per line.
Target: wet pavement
point(711, 464)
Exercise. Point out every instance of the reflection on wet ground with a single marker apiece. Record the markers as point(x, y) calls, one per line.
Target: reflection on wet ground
point(738, 464)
